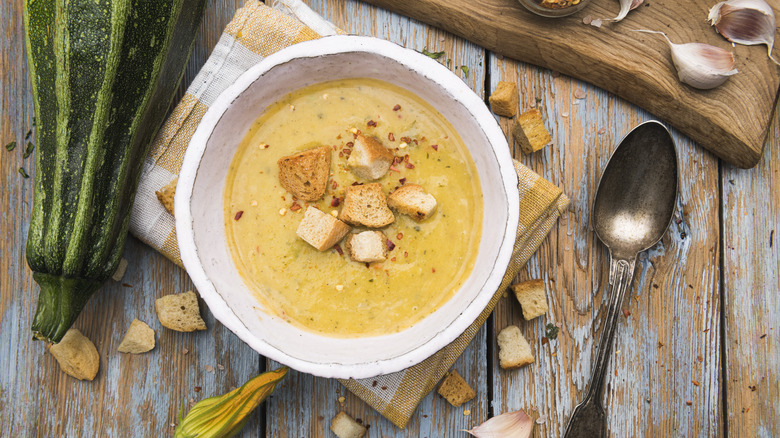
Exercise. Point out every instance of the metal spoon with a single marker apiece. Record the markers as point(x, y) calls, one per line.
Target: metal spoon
point(633, 208)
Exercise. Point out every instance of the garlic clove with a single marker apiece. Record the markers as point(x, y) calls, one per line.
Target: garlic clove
point(748, 22)
point(699, 65)
point(510, 425)
point(626, 6)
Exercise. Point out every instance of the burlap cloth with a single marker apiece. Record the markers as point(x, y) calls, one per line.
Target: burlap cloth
point(255, 32)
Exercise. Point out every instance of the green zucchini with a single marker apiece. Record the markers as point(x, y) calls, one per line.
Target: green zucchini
point(104, 73)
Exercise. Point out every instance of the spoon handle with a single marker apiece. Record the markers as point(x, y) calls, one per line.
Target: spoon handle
point(588, 419)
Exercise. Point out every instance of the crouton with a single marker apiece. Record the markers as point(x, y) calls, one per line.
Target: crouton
point(166, 193)
point(120, 270)
point(411, 200)
point(366, 205)
point(180, 312)
point(369, 160)
point(455, 389)
point(138, 339)
point(306, 173)
point(320, 229)
point(513, 349)
point(529, 131)
point(367, 247)
point(345, 427)
point(532, 299)
point(76, 355)
point(504, 99)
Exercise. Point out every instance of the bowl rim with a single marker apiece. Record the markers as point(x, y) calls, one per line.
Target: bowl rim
point(421, 65)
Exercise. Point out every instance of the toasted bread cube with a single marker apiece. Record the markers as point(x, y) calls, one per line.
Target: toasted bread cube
point(306, 173)
point(76, 355)
point(320, 229)
point(455, 389)
point(366, 205)
point(532, 298)
point(345, 427)
point(166, 193)
point(513, 349)
point(369, 159)
point(120, 270)
point(138, 339)
point(504, 99)
point(367, 247)
point(180, 312)
point(529, 131)
point(411, 200)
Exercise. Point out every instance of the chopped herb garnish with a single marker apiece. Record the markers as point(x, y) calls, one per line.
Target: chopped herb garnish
point(11, 146)
point(29, 150)
point(538, 100)
point(29, 134)
point(465, 70)
point(433, 55)
point(23, 172)
point(449, 63)
point(552, 331)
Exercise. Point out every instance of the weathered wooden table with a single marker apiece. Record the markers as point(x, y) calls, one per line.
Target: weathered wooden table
point(697, 353)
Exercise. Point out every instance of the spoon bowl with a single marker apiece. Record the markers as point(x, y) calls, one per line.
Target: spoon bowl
point(634, 204)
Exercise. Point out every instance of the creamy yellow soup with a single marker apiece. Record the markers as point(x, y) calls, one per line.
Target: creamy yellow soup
point(326, 292)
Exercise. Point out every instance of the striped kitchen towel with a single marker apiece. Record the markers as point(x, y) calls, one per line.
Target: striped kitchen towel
point(255, 32)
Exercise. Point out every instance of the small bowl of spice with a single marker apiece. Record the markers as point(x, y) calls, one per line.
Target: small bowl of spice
point(554, 8)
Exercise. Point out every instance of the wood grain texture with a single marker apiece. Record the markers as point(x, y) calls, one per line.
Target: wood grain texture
point(133, 395)
point(751, 263)
point(634, 66)
point(671, 337)
point(290, 414)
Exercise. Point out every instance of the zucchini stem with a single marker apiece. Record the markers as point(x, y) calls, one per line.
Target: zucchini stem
point(59, 303)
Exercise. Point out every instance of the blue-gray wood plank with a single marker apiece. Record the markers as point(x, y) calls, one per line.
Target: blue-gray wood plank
point(676, 346)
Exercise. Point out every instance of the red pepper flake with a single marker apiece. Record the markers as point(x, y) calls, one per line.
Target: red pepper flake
point(399, 236)
point(402, 181)
point(406, 254)
point(415, 141)
point(435, 147)
point(338, 137)
point(689, 403)
point(334, 184)
point(545, 340)
point(406, 139)
point(626, 313)
point(338, 249)
point(390, 245)
point(295, 206)
point(335, 202)
point(127, 285)
point(409, 166)
point(341, 154)
point(406, 158)
point(346, 151)
point(396, 107)
point(350, 144)
point(392, 259)
point(391, 137)
point(433, 270)
point(695, 382)
point(356, 184)
point(335, 147)
point(238, 215)
point(385, 387)
point(374, 383)
point(699, 358)
point(197, 389)
point(394, 169)
point(371, 123)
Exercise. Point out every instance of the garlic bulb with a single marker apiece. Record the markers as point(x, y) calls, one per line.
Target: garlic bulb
point(625, 7)
point(748, 22)
point(510, 425)
point(700, 65)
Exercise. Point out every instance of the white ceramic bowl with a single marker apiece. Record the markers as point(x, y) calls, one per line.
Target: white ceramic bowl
point(199, 204)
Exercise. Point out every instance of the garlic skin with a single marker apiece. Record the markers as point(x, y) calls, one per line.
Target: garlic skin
point(625, 7)
point(510, 425)
point(701, 66)
point(748, 22)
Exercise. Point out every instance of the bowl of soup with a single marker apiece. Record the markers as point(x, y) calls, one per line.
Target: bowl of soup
point(319, 310)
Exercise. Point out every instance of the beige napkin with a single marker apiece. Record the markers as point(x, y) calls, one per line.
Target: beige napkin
point(255, 32)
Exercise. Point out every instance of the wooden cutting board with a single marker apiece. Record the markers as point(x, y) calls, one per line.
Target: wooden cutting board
point(732, 120)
